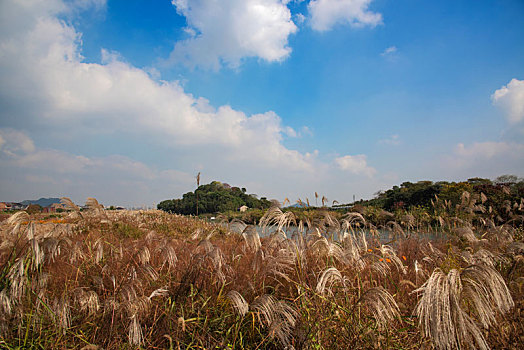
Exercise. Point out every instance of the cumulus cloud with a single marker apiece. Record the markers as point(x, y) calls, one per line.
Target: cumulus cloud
point(325, 14)
point(511, 99)
point(47, 89)
point(227, 31)
point(45, 79)
point(355, 164)
point(64, 103)
point(487, 159)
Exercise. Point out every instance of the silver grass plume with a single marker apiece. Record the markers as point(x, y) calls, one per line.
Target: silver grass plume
point(167, 255)
point(325, 248)
point(327, 279)
point(381, 305)
point(466, 234)
point(144, 256)
point(160, 292)
point(135, 335)
point(88, 301)
point(275, 216)
point(5, 303)
point(99, 250)
point(440, 308)
point(389, 253)
point(62, 312)
point(484, 287)
point(18, 218)
point(238, 302)
point(278, 316)
point(68, 203)
point(252, 238)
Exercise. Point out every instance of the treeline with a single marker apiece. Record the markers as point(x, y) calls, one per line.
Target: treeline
point(498, 195)
point(215, 197)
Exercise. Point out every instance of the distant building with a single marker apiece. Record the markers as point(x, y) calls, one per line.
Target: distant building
point(17, 206)
point(53, 208)
point(5, 206)
point(243, 208)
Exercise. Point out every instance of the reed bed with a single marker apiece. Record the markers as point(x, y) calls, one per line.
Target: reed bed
point(102, 279)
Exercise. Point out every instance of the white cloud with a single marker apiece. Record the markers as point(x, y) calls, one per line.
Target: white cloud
point(109, 178)
point(13, 142)
point(389, 51)
point(355, 164)
point(486, 159)
point(325, 14)
point(227, 31)
point(44, 78)
point(488, 150)
point(65, 104)
point(511, 99)
point(393, 140)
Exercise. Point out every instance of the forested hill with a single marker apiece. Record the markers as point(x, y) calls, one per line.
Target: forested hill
point(213, 198)
point(497, 193)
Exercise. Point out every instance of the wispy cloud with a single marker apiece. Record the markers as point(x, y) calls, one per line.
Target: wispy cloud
point(389, 51)
point(393, 140)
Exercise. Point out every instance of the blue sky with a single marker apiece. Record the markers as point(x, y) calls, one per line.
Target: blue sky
point(128, 100)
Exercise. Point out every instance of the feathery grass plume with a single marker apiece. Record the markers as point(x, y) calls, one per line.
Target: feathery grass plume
point(466, 234)
point(275, 240)
point(389, 254)
point(329, 220)
point(68, 203)
point(395, 229)
point(160, 292)
point(5, 303)
point(88, 301)
point(325, 248)
point(440, 308)
point(144, 255)
point(282, 263)
point(277, 315)
point(30, 232)
point(167, 254)
point(352, 219)
point(99, 250)
point(327, 279)
point(275, 216)
point(484, 287)
point(18, 218)
point(381, 305)
point(252, 238)
point(135, 334)
point(51, 247)
point(205, 245)
point(237, 226)
point(37, 255)
point(17, 279)
point(238, 302)
point(62, 312)
point(148, 272)
point(139, 306)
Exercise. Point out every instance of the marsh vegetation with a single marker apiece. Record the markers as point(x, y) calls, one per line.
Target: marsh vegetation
point(148, 279)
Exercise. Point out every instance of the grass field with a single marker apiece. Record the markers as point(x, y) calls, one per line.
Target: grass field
point(146, 279)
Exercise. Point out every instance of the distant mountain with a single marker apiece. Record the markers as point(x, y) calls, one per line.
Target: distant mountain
point(43, 202)
point(298, 205)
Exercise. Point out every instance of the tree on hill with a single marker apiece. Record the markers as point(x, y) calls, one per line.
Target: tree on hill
point(213, 198)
